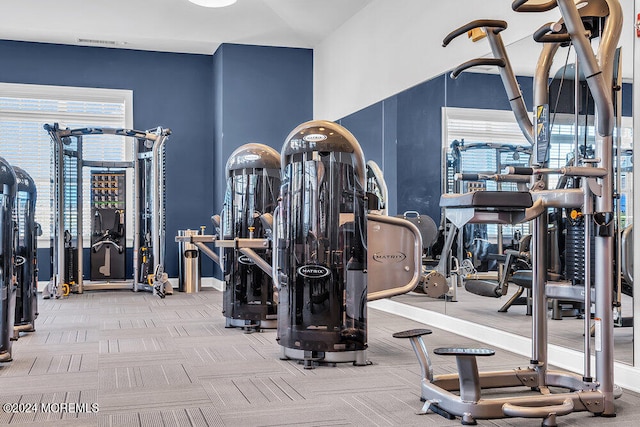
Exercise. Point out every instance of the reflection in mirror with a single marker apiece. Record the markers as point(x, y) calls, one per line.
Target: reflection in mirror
point(480, 136)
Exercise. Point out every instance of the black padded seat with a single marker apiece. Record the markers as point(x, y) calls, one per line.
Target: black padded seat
point(499, 200)
point(523, 278)
point(412, 333)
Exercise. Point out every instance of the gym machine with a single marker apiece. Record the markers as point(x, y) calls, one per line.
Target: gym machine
point(8, 188)
point(27, 232)
point(253, 184)
point(243, 234)
point(108, 214)
point(108, 207)
point(330, 256)
point(476, 167)
point(433, 282)
point(585, 392)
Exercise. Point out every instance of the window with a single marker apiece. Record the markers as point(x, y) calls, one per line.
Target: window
point(24, 109)
point(488, 130)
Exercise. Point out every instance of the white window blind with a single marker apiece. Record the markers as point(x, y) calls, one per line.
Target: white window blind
point(24, 109)
point(500, 127)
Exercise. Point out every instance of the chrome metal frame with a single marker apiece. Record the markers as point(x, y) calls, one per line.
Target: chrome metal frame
point(158, 138)
point(584, 393)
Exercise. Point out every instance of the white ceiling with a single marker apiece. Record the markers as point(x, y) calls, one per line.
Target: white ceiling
point(174, 25)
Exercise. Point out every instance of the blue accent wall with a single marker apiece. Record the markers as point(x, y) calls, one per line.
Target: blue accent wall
point(374, 128)
point(413, 128)
point(262, 94)
point(212, 103)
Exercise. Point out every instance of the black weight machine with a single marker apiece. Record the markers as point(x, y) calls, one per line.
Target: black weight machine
point(253, 183)
point(330, 255)
point(27, 232)
point(8, 188)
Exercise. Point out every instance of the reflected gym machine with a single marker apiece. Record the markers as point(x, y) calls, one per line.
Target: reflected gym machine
point(8, 187)
point(148, 165)
point(433, 282)
point(330, 256)
point(26, 272)
point(560, 392)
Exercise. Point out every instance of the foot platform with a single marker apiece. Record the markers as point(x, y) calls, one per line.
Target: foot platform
point(415, 337)
point(459, 351)
point(412, 333)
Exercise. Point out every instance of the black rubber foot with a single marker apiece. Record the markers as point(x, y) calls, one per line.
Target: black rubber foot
point(607, 415)
point(438, 410)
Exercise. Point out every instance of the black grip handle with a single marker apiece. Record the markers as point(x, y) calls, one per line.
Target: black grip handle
point(522, 6)
point(520, 170)
point(474, 63)
point(497, 26)
point(545, 34)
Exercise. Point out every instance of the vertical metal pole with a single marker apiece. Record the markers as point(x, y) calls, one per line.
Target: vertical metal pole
point(136, 213)
point(161, 199)
point(599, 78)
point(157, 194)
point(588, 217)
point(576, 114)
point(155, 239)
point(587, 211)
point(539, 277)
point(619, 227)
point(499, 226)
point(59, 215)
point(79, 212)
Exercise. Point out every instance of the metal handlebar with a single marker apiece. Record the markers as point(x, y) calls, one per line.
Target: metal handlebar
point(522, 6)
point(548, 33)
point(476, 62)
point(495, 25)
point(524, 178)
point(98, 245)
point(575, 171)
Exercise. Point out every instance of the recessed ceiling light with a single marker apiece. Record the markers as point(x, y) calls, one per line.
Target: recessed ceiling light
point(213, 3)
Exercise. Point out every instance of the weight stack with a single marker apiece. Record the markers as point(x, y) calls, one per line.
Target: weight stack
point(574, 252)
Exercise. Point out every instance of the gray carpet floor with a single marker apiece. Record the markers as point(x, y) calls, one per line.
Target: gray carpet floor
point(118, 358)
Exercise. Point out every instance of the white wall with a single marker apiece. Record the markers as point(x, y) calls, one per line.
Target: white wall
point(392, 45)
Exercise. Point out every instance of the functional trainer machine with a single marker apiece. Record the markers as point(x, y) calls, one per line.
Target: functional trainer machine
point(8, 188)
point(108, 214)
point(26, 240)
point(585, 392)
point(330, 256)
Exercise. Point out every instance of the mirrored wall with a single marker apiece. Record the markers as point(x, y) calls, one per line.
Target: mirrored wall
point(443, 126)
